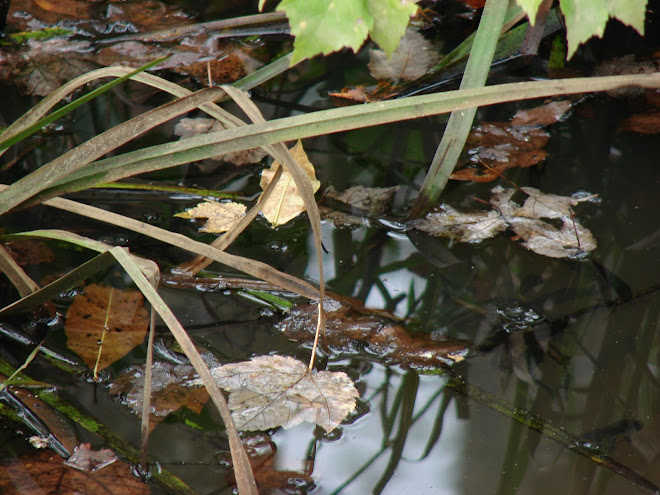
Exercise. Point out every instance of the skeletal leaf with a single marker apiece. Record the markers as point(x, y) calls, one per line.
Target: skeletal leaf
point(412, 59)
point(105, 324)
point(220, 216)
point(272, 391)
point(286, 203)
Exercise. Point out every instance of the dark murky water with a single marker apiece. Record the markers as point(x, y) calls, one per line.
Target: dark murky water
point(573, 342)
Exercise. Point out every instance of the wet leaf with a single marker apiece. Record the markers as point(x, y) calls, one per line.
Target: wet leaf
point(499, 146)
point(221, 217)
point(412, 59)
point(363, 94)
point(643, 123)
point(30, 252)
point(188, 127)
point(43, 471)
point(546, 114)
point(271, 391)
point(286, 203)
point(168, 390)
point(352, 329)
point(115, 317)
point(84, 458)
point(363, 202)
point(469, 226)
point(531, 222)
point(545, 222)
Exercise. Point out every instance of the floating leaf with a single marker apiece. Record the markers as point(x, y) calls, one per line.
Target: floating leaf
point(43, 471)
point(84, 458)
point(117, 318)
point(168, 392)
point(545, 114)
point(470, 226)
point(271, 391)
point(545, 222)
point(221, 217)
point(411, 60)
point(531, 222)
point(285, 203)
point(363, 201)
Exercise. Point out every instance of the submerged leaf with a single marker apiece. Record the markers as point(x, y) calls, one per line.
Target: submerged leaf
point(286, 203)
point(105, 321)
point(221, 217)
point(411, 60)
point(272, 391)
point(363, 201)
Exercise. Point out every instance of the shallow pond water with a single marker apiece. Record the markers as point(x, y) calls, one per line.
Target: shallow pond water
point(567, 346)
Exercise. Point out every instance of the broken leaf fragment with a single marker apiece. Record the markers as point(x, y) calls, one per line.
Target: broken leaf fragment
point(286, 203)
point(221, 217)
point(468, 226)
point(271, 391)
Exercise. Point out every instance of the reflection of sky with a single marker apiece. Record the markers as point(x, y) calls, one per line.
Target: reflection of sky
point(336, 462)
point(398, 248)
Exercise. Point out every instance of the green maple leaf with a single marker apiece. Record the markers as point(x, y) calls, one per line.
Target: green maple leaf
point(587, 18)
point(322, 26)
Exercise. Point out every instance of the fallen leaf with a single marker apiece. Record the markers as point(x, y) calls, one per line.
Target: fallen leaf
point(168, 390)
point(361, 94)
point(412, 59)
point(363, 202)
point(545, 222)
point(271, 391)
point(84, 458)
point(285, 203)
point(500, 146)
point(546, 114)
point(643, 123)
point(531, 222)
point(468, 226)
point(188, 127)
point(352, 329)
point(43, 471)
point(116, 317)
point(221, 217)
point(30, 252)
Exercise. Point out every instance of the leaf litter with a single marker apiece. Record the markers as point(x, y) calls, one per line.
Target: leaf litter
point(545, 223)
point(362, 202)
point(271, 391)
point(412, 59)
point(220, 217)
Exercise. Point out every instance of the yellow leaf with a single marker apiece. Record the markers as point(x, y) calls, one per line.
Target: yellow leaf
point(286, 203)
point(220, 216)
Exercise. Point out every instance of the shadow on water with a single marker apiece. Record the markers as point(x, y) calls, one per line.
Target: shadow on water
point(559, 393)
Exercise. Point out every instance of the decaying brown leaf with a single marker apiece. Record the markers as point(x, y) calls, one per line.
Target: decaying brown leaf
point(285, 203)
point(472, 226)
point(353, 329)
point(271, 391)
point(168, 392)
point(532, 222)
point(221, 217)
point(363, 202)
point(545, 222)
point(546, 114)
point(411, 60)
point(363, 94)
point(499, 146)
point(84, 458)
point(43, 471)
point(188, 127)
point(117, 318)
point(30, 252)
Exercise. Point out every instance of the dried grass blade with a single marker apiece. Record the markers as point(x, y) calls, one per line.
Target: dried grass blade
point(242, 469)
point(16, 275)
point(304, 185)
